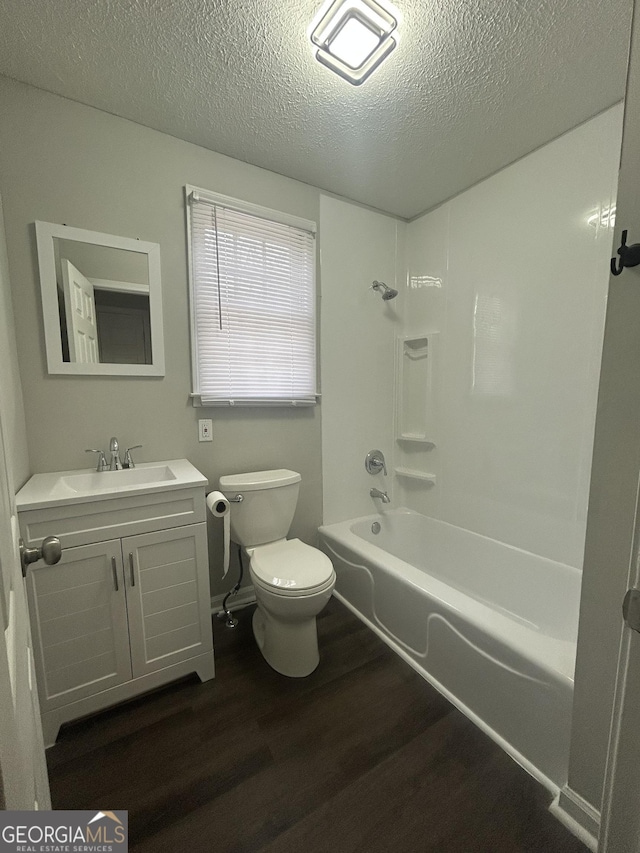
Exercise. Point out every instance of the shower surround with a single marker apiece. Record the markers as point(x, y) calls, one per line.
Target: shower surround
point(513, 322)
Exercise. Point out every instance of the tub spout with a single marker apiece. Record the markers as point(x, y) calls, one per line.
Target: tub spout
point(384, 497)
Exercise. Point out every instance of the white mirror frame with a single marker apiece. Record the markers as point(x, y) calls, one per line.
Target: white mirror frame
point(45, 233)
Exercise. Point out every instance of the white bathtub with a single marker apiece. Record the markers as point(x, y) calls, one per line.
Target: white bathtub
point(493, 628)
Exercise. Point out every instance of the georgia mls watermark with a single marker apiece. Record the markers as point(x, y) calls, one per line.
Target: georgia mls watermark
point(64, 832)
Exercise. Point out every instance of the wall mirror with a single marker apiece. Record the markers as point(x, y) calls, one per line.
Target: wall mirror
point(101, 302)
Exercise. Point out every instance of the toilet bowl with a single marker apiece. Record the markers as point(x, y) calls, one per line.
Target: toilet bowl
point(292, 581)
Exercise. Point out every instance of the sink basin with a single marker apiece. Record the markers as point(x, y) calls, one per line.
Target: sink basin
point(106, 481)
point(64, 487)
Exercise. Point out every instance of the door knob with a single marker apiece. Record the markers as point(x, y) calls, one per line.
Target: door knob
point(50, 551)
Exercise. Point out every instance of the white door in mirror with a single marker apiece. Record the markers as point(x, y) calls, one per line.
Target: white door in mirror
point(80, 311)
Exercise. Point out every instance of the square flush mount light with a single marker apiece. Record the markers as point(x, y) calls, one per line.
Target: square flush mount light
point(353, 37)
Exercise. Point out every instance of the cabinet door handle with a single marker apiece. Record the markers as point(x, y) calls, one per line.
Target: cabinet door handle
point(133, 576)
point(114, 569)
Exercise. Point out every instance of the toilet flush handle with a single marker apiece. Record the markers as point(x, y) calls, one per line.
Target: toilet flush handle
point(237, 500)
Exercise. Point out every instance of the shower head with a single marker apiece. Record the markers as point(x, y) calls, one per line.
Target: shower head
point(387, 292)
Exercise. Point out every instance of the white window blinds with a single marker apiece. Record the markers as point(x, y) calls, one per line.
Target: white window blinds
point(253, 306)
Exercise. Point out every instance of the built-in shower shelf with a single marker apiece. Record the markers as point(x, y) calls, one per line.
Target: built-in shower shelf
point(412, 474)
point(418, 439)
point(415, 393)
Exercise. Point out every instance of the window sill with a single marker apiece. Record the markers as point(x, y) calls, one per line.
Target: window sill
point(197, 403)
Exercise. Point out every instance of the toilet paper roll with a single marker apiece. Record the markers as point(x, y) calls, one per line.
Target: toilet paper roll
point(218, 504)
point(219, 508)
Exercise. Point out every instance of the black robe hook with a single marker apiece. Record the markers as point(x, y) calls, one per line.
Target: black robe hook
point(629, 256)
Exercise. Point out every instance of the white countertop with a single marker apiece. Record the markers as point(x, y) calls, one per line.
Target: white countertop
point(83, 485)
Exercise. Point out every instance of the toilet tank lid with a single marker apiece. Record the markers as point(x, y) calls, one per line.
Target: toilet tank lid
point(258, 480)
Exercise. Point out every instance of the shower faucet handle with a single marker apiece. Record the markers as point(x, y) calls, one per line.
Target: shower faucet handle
point(374, 462)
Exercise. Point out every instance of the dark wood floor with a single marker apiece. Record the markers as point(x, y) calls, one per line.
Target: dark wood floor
point(361, 756)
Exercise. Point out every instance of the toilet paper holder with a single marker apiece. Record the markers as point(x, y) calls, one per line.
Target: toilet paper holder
point(237, 500)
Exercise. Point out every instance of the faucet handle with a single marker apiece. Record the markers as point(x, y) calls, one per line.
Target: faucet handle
point(102, 459)
point(374, 462)
point(128, 459)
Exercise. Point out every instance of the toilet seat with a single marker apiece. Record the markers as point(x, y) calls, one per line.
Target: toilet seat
point(290, 567)
point(291, 593)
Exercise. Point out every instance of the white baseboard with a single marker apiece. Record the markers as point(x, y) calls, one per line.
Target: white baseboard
point(579, 816)
point(245, 595)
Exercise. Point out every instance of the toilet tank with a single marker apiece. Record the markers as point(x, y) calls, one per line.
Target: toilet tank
point(268, 504)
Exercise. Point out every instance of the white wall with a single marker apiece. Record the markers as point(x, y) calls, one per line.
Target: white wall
point(358, 334)
point(14, 426)
point(514, 278)
point(64, 162)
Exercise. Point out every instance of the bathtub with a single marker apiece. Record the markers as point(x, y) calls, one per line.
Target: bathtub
point(491, 627)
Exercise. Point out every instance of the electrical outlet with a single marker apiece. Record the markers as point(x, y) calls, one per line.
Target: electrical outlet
point(205, 429)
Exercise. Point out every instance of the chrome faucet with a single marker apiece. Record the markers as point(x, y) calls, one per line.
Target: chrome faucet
point(116, 464)
point(384, 497)
point(114, 449)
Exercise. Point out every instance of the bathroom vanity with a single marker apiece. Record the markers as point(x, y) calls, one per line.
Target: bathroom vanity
point(127, 608)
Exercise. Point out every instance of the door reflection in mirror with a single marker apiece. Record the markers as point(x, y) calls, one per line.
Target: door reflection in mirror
point(103, 303)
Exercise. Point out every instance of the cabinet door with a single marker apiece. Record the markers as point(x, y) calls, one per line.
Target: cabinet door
point(168, 598)
point(79, 623)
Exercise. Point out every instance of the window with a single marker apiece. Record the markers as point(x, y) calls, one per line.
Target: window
point(252, 278)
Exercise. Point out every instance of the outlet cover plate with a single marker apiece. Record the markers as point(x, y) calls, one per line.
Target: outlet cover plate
point(205, 429)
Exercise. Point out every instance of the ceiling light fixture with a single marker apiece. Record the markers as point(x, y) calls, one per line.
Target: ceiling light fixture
point(352, 37)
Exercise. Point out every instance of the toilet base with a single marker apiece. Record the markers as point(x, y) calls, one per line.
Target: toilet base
point(291, 648)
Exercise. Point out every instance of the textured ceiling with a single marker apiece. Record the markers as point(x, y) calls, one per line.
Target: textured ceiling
point(472, 86)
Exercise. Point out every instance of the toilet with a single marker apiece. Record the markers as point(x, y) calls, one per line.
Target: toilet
point(292, 580)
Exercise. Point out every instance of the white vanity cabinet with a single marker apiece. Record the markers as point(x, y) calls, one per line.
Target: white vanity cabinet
point(168, 599)
point(79, 624)
point(127, 608)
